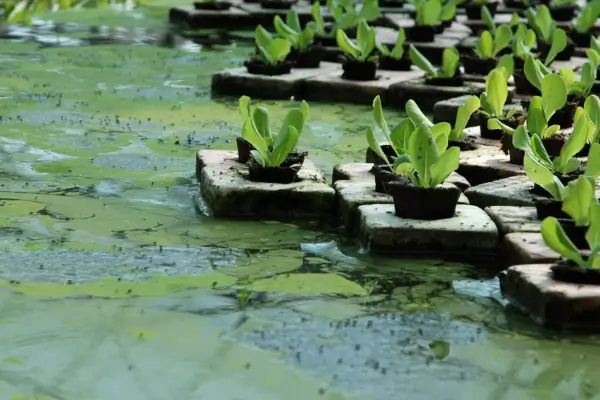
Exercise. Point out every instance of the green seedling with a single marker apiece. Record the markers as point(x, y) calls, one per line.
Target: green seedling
point(271, 51)
point(344, 14)
point(581, 88)
point(397, 51)
point(535, 70)
point(543, 24)
point(271, 150)
point(433, 12)
point(489, 46)
point(450, 63)
point(595, 44)
point(524, 40)
point(292, 31)
point(364, 46)
point(592, 110)
point(495, 96)
point(587, 17)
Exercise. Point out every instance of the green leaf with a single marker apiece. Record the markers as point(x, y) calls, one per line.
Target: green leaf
point(244, 107)
point(423, 153)
point(502, 39)
point(305, 112)
point(440, 349)
point(542, 176)
point(398, 50)
point(304, 39)
point(260, 117)
point(262, 37)
point(400, 136)
point(521, 139)
point(496, 89)
point(574, 143)
point(319, 23)
point(284, 145)
point(485, 46)
point(539, 150)
point(295, 118)
point(279, 49)
point(544, 23)
point(579, 196)
point(533, 73)
point(463, 115)
point(421, 62)
point(592, 168)
point(415, 114)
point(251, 135)
point(495, 124)
point(554, 95)
point(592, 109)
point(293, 21)
point(536, 121)
point(447, 163)
point(568, 76)
point(365, 38)
point(450, 62)
point(379, 117)
point(258, 157)
point(346, 45)
point(370, 10)
point(432, 10)
point(487, 19)
point(592, 236)
point(559, 43)
point(284, 30)
point(374, 145)
point(507, 63)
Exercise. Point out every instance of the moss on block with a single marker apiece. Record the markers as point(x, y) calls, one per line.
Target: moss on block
point(469, 234)
point(331, 86)
point(426, 96)
point(228, 193)
point(510, 219)
point(526, 248)
point(553, 304)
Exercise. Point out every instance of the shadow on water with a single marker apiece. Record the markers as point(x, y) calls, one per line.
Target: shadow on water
point(114, 286)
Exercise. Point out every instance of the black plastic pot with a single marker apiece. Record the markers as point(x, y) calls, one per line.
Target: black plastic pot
point(568, 271)
point(359, 70)
point(550, 208)
point(474, 10)
point(243, 147)
point(476, 66)
point(373, 158)
point(415, 202)
point(496, 134)
point(383, 176)
point(306, 58)
point(213, 6)
point(564, 117)
point(464, 144)
point(515, 156)
point(286, 174)
point(564, 55)
point(420, 33)
point(563, 13)
point(554, 145)
point(518, 4)
point(257, 67)
point(277, 4)
point(522, 85)
point(391, 64)
point(457, 80)
point(581, 39)
point(519, 63)
point(325, 41)
point(391, 3)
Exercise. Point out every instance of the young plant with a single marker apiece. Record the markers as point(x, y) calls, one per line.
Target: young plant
point(364, 46)
point(595, 44)
point(581, 88)
point(489, 46)
point(495, 95)
point(344, 16)
point(397, 51)
point(587, 17)
point(524, 40)
point(433, 12)
point(450, 63)
point(535, 71)
point(271, 150)
point(271, 51)
point(488, 19)
point(292, 31)
point(543, 24)
point(592, 109)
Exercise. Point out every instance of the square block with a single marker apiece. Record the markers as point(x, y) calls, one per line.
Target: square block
point(228, 193)
point(468, 234)
point(331, 86)
point(488, 167)
point(445, 110)
point(526, 248)
point(234, 18)
point(427, 95)
point(510, 219)
point(513, 191)
point(553, 304)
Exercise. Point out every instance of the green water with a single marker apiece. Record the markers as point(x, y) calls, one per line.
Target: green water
point(115, 287)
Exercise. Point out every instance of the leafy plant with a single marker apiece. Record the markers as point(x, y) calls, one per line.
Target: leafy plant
point(364, 46)
point(292, 31)
point(433, 12)
point(398, 50)
point(592, 109)
point(587, 17)
point(450, 63)
point(595, 44)
point(581, 88)
point(495, 95)
point(489, 46)
point(535, 71)
point(344, 14)
point(271, 150)
point(543, 24)
point(523, 41)
point(271, 51)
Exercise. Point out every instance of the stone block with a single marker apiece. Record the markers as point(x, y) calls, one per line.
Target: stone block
point(234, 18)
point(426, 96)
point(238, 82)
point(510, 219)
point(331, 86)
point(488, 167)
point(553, 304)
point(469, 234)
point(228, 193)
point(513, 191)
point(526, 248)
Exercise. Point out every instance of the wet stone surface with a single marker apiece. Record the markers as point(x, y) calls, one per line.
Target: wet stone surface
point(526, 248)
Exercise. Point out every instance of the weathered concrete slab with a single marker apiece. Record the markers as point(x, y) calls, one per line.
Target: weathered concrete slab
point(511, 219)
point(470, 233)
point(554, 304)
point(331, 87)
point(513, 191)
point(352, 194)
point(428, 95)
point(238, 82)
point(486, 168)
point(526, 248)
point(360, 172)
point(228, 193)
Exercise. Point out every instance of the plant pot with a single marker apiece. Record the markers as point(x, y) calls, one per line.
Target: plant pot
point(415, 202)
point(391, 3)
point(277, 4)
point(464, 144)
point(568, 271)
point(243, 147)
point(306, 58)
point(550, 208)
point(420, 33)
point(286, 174)
point(581, 39)
point(564, 55)
point(213, 6)
point(383, 176)
point(391, 64)
point(373, 158)
point(496, 134)
point(476, 66)
point(522, 85)
point(457, 80)
point(563, 13)
point(564, 179)
point(257, 67)
point(518, 4)
point(519, 63)
point(564, 117)
point(474, 10)
point(554, 145)
point(325, 41)
point(359, 70)
point(515, 156)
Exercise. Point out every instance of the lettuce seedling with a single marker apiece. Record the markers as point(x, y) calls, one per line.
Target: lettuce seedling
point(524, 40)
point(450, 63)
point(543, 24)
point(364, 46)
point(429, 12)
point(397, 51)
point(581, 88)
point(271, 51)
point(344, 14)
point(592, 109)
point(595, 44)
point(587, 17)
point(489, 46)
point(292, 31)
point(271, 150)
point(535, 71)
point(495, 96)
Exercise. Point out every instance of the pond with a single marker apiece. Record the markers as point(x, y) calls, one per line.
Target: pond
point(115, 285)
